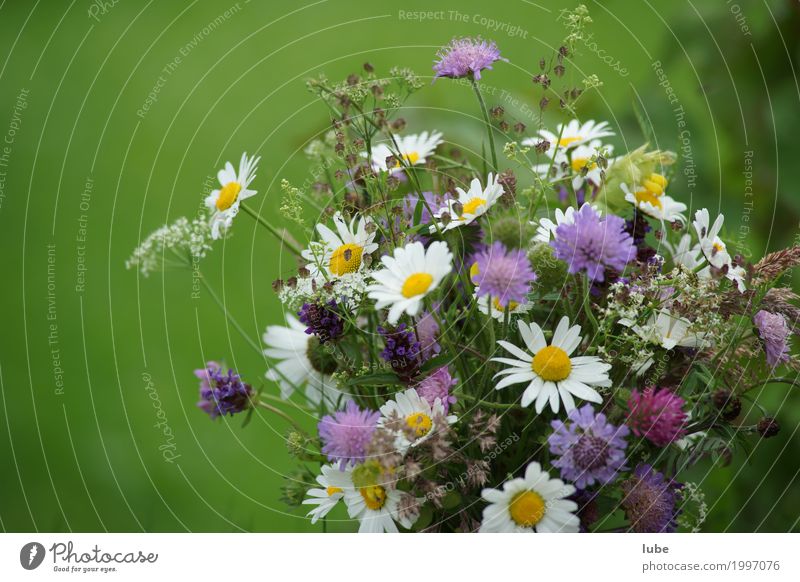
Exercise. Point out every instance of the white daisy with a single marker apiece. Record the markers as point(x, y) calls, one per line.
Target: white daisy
point(686, 254)
point(376, 508)
point(295, 370)
point(341, 252)
point(574, 133)
point(409, 276)
point(649, 197)
point(334, 483)
point(551, 374)
point(417, 413)
point(582, 158)
point(225, 202)
point(714, 249)
point(414, 150)
point(474, 203)
point(497, 310)
point(546, 228)
point(535, 503)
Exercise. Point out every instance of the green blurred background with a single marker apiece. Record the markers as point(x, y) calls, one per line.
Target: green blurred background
point(91, 361)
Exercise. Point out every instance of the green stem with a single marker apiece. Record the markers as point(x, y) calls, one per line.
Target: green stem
point(228, 316)
point(489, 129)
point(493, 405)
point(282, 414)
point(280, 234)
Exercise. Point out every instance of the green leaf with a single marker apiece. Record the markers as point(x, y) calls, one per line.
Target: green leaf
point(435, 363)
point(418, 211)
point(377, 379)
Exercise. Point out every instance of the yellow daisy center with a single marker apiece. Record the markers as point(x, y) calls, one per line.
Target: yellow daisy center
point(374, 496)
point(472, 206)
point(420, 422)
point(333, 490)
point(647, 196)
point(718, 247)
point(579, 163)
point(228, 195)
point(345, 259)
point(474, 271)
point(417, 284)
point(410, 158)
point(512, 305)
point(565, 141)
point(527, 508)
point(552, 364)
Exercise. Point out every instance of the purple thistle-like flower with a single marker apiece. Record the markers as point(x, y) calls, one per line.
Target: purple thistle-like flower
point(594, 244)
point(503, 275)
point(466, 56)
point(322, 320)
point(657, 415)
point(428, 334)
point(402, 351)
point(346, 434)
point(433, 201)
point(774, 334)
point(222, 394)
point(438, 385)
point(649, 501)
point(590, 448)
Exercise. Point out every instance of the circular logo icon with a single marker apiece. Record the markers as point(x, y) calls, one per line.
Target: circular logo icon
point(31, 555)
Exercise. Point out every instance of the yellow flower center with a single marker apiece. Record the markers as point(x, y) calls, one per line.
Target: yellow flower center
point(474, 271)
point(527, 508)
point(512, 305)
point(228, 195)
point(472, 206)
point(552, 364)
point(718, 247)
point(579, 163)
point(420, 422)
point(333, 490)
point(410, 158)
point(565, 141)
point(374, 496)
point(417, 284)
point(345, 259)
point(647, 196)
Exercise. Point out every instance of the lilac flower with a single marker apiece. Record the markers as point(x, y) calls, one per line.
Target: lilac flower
point(433, 201)
point(505, 276)
point(427, 333)
point(222, 394)
point(466, 56)
point(322, 320)
point(774, 333)
point(345, 434)
point(649, 501)
point(594, 244)
point(402, 351)
point(590, 448)
point(438, 385)
point(657, 415)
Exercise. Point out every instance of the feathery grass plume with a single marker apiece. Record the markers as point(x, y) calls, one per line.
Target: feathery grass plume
point(630, 169)
point(776, 264)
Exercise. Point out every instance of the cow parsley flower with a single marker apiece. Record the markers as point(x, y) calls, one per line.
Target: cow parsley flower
point(189, 239)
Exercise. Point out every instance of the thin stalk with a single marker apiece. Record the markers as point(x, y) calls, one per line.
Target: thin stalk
point(280, 413)
point(272, 229)
point(489, 129)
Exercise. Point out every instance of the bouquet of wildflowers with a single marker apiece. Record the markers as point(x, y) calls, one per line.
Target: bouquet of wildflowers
point(524, 334)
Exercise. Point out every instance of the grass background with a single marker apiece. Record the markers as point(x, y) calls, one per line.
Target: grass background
point(92, 457)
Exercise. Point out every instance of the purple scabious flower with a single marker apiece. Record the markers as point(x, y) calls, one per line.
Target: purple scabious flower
point(438, 385)
point(594, 244)
point(402, 351)
point(590, 448)
point(427, 334)
point(346, 434)
point(649, 501)
point(222, 394)
point(322, 320)
point(774, 334)
point(466, 56)
point(433, 201)
point(657, 415)
point(505, 276)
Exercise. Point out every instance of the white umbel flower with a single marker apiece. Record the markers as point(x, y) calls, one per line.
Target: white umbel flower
point(294, 369)
point(224, 202)
point(473, 203)
point(333, 484)
point(408, 276)
point(550, 371)
point(341, 252)
point(415, 149)
point(649, 197)
point(533, 503)
point(417, 413)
